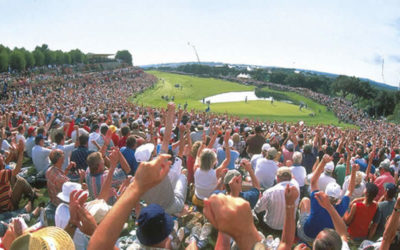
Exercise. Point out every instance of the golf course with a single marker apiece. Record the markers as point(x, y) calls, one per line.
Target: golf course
point(192, 90)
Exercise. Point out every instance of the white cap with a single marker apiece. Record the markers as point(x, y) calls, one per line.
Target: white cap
point(329, 167)
point(98, 209)
point(333, 190)
point(143, 153)
point(265, 147)
point(67, 189)
point(230, 143)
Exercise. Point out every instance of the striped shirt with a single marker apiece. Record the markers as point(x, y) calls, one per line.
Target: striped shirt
point(95, 181)
point(55, 180)
point(5, 188)
point(273, 203)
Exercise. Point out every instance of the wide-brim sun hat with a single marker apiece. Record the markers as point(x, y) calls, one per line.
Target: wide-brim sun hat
point(46, 238)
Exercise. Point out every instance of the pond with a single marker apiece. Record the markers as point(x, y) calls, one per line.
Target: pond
point(234, 97)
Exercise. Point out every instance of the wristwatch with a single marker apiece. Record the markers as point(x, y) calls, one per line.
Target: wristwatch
point(397, 209)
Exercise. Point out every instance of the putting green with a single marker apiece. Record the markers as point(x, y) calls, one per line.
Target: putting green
point(194, 89)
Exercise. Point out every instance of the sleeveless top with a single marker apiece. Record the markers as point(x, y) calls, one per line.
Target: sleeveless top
point(359, 226)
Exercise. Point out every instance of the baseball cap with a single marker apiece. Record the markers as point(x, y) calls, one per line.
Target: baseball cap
point(272, 152)
point(329, 167)
point(230, 143)
point(143, 153)
point(38, 138)
point(289, 145)
point(385, 165)
point(265, 147)
point(154, 225)
point(31, 130)
point(230, 174)
point(390, 188)
point(333, 190)
point(284, 172)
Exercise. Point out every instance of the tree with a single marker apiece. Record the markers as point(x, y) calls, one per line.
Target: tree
point(3, 61)
point(277, 77)
point(67, 58)
point(17, 60)
point(30, 59)
point(39, 57)
point(76, 56)
point(59, 57)
point(125, 56)
point(49, 57)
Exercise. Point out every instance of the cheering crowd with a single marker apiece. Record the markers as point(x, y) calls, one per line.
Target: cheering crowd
point(122, 176)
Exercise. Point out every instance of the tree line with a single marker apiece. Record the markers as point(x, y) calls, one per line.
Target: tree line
point(20, 59)
point(375, 101)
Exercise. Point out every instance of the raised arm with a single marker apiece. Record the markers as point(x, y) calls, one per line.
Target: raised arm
point(20, 148)
point(352, 183)
point(247, 165)
point(317, 173)
point(391, 226)
point(340, 226)
point(148, 175)
point(225, 163)
point(289, 224)
point(106, 187)
point(168, 127)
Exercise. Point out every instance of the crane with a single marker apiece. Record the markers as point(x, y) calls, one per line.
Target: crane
point(195, 51)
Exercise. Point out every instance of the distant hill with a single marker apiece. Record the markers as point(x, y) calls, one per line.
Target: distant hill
point(245, 66)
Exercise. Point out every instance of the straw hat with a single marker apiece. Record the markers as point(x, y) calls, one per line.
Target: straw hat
point(45, 238)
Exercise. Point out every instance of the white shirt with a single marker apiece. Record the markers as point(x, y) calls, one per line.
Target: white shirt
point(81, 132)
point(299, 173)
point(273, 203)
point(93, 137)
point(323, 181)
point(67, 149)
point(358, 190)
point(175, 171)
point(254, 160)
point(30, 143)
point(40, 157)
point(20, 137)
point(5, 146)
point(205, 183)
point(61, 219)
point(266, 172)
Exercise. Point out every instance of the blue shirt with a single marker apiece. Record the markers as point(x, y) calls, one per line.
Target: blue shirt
point(319, 218)
point(79, 156)
point(221, 157)
point(251, 195)
point(129, 155)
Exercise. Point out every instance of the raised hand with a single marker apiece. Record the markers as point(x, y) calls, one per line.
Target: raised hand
point(323, 200)
point(291, 194)
point(149, 174)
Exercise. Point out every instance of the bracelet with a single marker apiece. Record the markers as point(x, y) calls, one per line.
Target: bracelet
point(290, 206)
point(71, 225)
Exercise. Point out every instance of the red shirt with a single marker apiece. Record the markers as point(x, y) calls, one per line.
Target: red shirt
point(362, 218)
point(122, 141)
point(55, 180)
point(380, 181)
point(115, 138)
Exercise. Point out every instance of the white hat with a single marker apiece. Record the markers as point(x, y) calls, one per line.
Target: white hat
point(230, 143)
point(329, 167)
point(143, 153)
point(333, 190)
point(67, 189)
point(265, 147)
point(98, 209)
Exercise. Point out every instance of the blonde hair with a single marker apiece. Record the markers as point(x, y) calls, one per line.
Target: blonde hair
point(207, 159)
point(195, 148)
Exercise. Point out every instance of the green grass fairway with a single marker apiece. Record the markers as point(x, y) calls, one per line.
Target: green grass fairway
point(197, 88)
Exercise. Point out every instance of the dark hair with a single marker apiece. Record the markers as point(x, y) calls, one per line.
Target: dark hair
point(371, 191)
point(83, 139)
point(130, 141)
point(125, 131)
point(103, 130)
point(40, 130)
point(20, 128)
point(59, 137)
point(330, 241)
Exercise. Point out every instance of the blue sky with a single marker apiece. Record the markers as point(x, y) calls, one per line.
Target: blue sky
point(345, 37)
